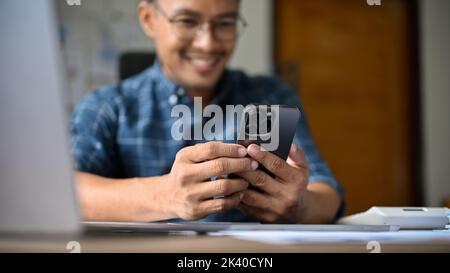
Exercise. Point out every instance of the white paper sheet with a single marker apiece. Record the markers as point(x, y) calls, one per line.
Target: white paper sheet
point(296, 237)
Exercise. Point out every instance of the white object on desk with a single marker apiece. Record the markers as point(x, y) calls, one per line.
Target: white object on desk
point(405, 217)
point(339, 237)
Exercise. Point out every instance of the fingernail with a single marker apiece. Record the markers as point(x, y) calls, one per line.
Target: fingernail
point(294, 148)
point(242, 152)
point(298, 156)
point(241, 196)
point(247, 185)
point(253, 150)
point(295, 153)
point(254, 165)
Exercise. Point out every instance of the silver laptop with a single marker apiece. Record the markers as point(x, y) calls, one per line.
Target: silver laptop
point(37, 193)
point(36, 189)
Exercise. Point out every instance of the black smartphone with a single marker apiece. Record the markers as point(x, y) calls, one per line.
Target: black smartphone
point(272, 127)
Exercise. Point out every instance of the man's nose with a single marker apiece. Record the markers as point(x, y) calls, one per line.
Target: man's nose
point(205, 39)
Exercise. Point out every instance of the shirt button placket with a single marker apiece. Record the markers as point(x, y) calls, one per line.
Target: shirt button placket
point(173, 100)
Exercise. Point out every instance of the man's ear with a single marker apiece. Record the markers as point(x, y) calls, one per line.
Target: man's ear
point(146, 13)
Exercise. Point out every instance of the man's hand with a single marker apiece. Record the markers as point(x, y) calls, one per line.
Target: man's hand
point(282, 197)
point(189, 192)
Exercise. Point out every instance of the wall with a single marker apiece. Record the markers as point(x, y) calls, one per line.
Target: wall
point(435, 44)
point(254, 53)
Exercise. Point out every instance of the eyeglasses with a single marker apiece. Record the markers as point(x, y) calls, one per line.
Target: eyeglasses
point(188, 27)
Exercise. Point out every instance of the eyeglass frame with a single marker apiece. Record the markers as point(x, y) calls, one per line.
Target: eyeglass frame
point(172, 21)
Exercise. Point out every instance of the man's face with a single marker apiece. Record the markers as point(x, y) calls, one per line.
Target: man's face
point(192, 57)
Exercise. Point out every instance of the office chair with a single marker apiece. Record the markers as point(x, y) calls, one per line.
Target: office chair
point(132, 63)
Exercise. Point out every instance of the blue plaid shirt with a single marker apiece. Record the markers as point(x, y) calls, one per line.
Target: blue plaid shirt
point(124, 131)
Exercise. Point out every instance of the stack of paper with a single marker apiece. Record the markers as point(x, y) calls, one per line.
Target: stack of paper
point(298, 237)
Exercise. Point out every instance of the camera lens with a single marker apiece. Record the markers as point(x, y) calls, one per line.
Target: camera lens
point(269, 124)
point(265, 123)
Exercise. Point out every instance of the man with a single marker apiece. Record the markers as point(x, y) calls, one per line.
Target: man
point(131, 169)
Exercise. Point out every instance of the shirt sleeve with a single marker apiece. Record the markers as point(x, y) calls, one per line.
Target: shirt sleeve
point(318, 168)
point(93, 131)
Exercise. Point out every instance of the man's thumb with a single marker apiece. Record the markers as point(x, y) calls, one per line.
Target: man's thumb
point(297, 157)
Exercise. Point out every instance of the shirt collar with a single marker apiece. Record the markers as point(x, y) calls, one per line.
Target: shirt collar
point(169, 90)
point(164, 85)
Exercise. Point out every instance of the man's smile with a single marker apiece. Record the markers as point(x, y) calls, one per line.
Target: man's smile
point(203, 64)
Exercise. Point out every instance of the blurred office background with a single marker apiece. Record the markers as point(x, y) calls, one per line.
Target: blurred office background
point(374, 81)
